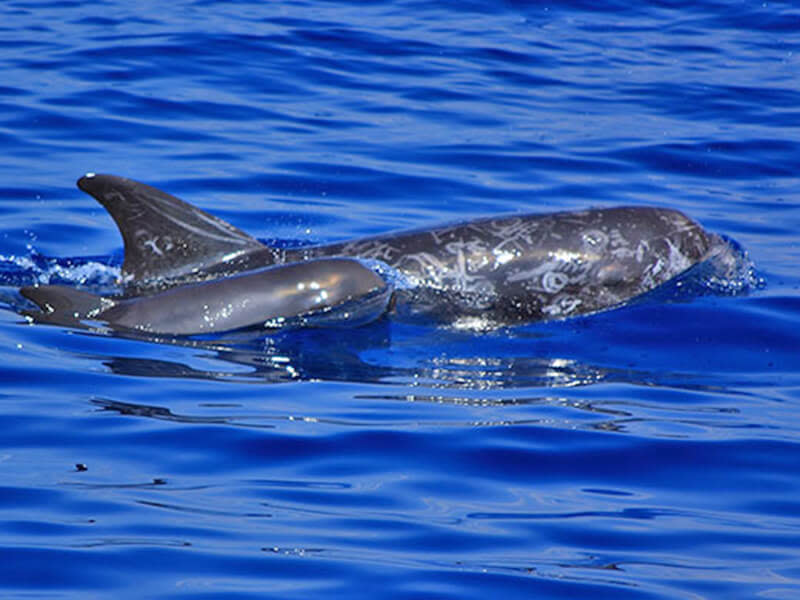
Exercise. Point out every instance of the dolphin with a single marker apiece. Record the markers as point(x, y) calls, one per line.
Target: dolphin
point(271, 297)
point(187, 272)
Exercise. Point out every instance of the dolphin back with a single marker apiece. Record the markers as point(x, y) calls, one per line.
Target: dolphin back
point(534, 267)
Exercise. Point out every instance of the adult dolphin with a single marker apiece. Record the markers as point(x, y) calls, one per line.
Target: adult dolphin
point(502, 270)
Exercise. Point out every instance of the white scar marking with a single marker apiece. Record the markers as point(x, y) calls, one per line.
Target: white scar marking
point(553, 281)
point(153, 246)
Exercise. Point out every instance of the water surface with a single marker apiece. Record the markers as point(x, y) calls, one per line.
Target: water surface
point(647, 452)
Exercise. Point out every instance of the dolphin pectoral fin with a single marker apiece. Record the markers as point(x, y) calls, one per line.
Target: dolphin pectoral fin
point(165, 238)
point(63, 305)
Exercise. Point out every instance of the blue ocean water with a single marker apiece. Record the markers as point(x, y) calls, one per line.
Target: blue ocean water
point(647, 452)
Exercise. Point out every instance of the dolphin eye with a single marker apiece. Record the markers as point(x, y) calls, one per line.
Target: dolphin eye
point(611, 275)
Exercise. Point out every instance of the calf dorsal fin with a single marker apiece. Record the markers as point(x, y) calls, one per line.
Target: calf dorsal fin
point(62, 305)
point(165, 238)
point(66, 300)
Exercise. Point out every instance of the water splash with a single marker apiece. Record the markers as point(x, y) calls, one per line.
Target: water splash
point(95, 273)
point(726, 271)
point(732, 270)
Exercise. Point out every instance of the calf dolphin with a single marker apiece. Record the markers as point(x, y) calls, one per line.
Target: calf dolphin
point(180, 260)
point(270, 297)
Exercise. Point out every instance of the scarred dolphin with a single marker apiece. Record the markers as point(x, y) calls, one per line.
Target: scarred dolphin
point(186, 271)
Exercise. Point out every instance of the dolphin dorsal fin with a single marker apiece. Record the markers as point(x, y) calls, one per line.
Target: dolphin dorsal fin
point(165, 238)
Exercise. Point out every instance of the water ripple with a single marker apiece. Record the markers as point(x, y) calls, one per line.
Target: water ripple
point(648, 452)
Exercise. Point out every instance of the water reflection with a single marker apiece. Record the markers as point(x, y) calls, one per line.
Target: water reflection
point(488, 376)
point(355, 359)
point(389, 354)
point(165, 414)
point(612, 416)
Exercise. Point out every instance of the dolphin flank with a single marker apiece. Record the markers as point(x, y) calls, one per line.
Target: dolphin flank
point(187, 272)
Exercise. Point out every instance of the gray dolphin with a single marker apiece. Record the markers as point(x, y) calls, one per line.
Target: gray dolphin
point(186, 271)
point(271, 297)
